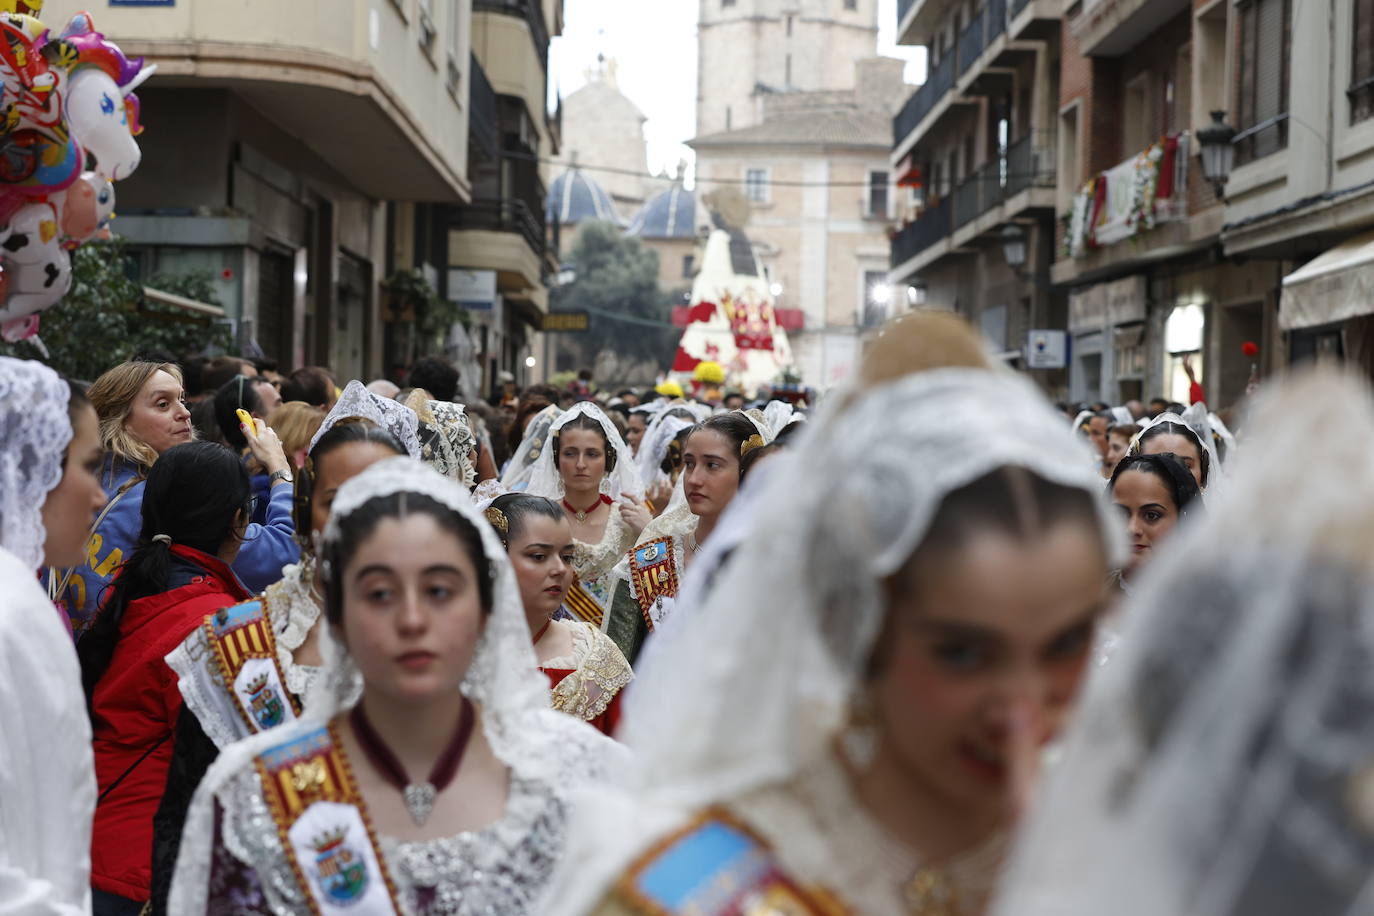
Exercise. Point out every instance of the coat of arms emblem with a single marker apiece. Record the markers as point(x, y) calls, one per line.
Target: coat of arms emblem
point(265, 702)
point(339, 870)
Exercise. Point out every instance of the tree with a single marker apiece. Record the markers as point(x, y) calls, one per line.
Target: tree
point(104, 318)
point(617, 283)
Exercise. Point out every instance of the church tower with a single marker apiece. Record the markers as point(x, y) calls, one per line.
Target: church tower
point(747, 49)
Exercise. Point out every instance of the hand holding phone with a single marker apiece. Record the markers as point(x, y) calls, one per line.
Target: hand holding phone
point(246, 419)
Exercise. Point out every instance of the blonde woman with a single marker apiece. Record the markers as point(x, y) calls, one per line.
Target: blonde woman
point(142, 412)
point(296, 423)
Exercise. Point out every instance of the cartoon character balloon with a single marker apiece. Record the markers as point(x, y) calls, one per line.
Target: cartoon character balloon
point(65, 101)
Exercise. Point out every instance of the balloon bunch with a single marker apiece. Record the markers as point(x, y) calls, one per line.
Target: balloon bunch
point(68, 118)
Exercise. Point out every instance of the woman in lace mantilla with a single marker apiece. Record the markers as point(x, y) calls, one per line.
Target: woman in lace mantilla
point(211, 719)
point(586, 467)
point(651, 573)
point(926, 613)
point(422, 606)
point(586, 670)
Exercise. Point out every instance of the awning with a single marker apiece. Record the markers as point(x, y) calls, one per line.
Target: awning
point(1331, 287)
point(909, 173)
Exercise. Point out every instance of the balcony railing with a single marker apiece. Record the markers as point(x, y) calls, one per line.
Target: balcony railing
point(1132, 197)
point(532, 11)
point(1264, 139)
point(484, 133)
point(939, 81)
point(971, 43)
point(929, 228)
point(996, 13)
point(1030, 163)
point(979, 193)
point(509, 215)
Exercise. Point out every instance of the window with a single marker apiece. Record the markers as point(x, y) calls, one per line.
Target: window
point(725, 3)
point(1264, 62)
point(789, 26)
point(756, 185)
point(851, 4)
point(454, 73)
point(877, 195)
point(1361, 90)
point(427, 30)
point(689, 263)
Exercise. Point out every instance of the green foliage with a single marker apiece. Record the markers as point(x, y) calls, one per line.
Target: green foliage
point(104, 319)
point(617, 276)
point(411, 294)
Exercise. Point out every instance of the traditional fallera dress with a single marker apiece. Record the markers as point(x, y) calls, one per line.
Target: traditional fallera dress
point(587, 683)
point(743, 800)
point(279, 825)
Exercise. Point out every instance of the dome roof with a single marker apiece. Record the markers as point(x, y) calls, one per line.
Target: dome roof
point(669, 215)
point(573, 198)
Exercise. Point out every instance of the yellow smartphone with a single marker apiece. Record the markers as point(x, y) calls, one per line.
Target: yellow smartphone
point(246, 419)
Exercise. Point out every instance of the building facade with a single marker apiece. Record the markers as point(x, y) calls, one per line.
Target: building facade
point(345, 143)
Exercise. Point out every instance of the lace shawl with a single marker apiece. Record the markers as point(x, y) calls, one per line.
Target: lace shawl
point(599, 672)
point(34, 434)
point(392, 416)
point(294, 613)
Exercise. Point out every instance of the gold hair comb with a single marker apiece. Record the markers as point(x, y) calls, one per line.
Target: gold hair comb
point(497, 518)
point(753, 442)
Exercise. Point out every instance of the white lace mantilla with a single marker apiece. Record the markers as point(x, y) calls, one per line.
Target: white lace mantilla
point(294, 613)
point(34, 433)
point(501, 868)
point(592, 562)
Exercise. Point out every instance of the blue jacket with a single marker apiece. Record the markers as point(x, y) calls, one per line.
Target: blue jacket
point(266, 548)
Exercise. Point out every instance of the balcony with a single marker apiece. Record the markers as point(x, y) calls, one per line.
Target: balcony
point(484, 133)
point(1129, 199)
point(529, 10)
point(1110, 28)
point(930, 228)
point(1000, 183)
point(354, 99)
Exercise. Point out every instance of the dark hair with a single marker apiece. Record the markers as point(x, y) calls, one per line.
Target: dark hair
point(239, 392)
point(205, 422)
point(76, 399)
point(264, 364)
point(672, 456)
point(359, 524)
point(343, 433)
point(1010, 500)
point(437, 376)
point(192, 372)
point(583, 421)
point(1170, 428)
point(1180, 481)
point(516, 508)
point(530, 404)
point(747, 463)
point(1128, 430)
point(220, 370)
point(789, 432)
point(193, 494)
point(735, 427)
point(311, 384)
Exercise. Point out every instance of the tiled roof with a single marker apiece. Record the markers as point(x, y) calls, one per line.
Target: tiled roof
point(852, 127)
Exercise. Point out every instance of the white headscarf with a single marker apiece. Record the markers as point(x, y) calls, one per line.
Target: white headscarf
point(781, 642)
point(520, 469)
point(623, 478)
point(394, 417)
point(1221, 763)
point(34, 434)
point(446, 438)
point(654, 446)
point(779, 415)
point(1203, 434)
point(523, 731)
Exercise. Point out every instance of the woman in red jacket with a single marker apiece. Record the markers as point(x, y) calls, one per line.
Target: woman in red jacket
point(196, 507)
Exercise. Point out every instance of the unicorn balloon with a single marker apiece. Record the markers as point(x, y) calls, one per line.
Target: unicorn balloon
point(102, 110)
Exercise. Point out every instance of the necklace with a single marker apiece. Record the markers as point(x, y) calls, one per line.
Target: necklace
point(542, 630)
point(419, 797)
point(581, 514)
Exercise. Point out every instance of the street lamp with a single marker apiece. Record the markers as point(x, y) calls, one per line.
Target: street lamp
point(1217, 151)
point(1014, 246)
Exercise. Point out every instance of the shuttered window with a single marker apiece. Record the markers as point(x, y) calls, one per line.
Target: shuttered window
point(1264, 63)
point(1362, 61)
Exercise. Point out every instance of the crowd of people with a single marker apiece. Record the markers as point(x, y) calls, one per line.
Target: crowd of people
point(284, 643)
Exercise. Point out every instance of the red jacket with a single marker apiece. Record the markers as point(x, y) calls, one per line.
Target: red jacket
point(135, 705)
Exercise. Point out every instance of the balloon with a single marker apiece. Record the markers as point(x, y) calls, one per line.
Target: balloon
point(99, 120)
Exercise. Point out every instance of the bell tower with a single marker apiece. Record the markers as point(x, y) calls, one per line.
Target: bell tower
point(748, 49)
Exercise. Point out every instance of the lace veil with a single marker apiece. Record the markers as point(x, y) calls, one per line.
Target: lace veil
point(392, 416)
point(654, 445)
point(34, 434)
point(446, 438)
point(524, 732)
point(522, 464)
point(1195, 419)
point(782, 639)
point(624, 477)
point(1221, 763)
point(779, 415)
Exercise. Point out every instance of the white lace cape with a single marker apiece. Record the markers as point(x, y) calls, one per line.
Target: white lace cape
point(34, 434)
point(807, 585)
point(1219, 764)
point(292, 612)
point(623, 478)
point(392, 416)
point(537, 743)
point(520, 469)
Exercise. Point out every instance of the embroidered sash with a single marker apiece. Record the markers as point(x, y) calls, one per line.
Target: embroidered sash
point(718, 866)
point(244, 650)
point(582, 605)
point(653, 578)
point(324, 827)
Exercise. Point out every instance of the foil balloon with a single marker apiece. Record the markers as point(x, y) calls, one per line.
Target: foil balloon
point(65, 101)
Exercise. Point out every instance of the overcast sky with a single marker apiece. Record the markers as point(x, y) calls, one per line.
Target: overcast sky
point(654, 44)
